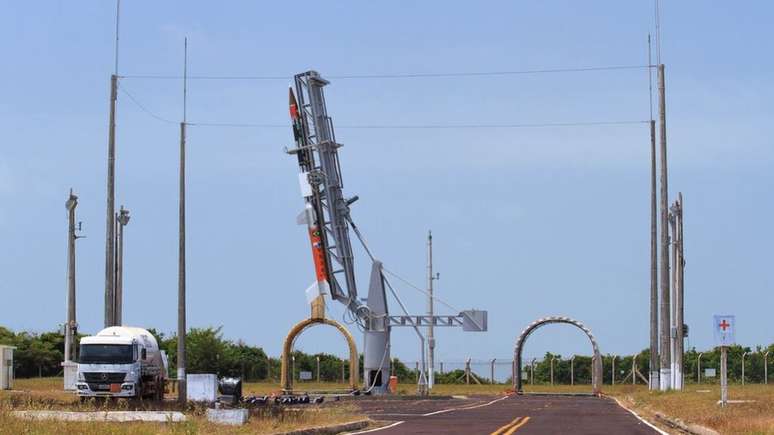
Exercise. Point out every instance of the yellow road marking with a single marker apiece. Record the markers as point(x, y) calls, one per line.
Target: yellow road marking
point(517, 426)
point(503, 429)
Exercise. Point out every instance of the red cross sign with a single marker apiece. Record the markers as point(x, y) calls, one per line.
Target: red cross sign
point(724, 330)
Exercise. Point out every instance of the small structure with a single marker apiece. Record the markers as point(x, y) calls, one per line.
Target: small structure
point(202, 387)
point(6, 367)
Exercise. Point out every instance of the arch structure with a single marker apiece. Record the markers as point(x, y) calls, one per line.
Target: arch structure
point(287, 349)
point(596, 372)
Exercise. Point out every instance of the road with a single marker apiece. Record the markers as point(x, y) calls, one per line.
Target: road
point(504, 415)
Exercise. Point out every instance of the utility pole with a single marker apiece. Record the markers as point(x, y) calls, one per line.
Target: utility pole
point(665, 326)
point(71, 326)
point(181, 333)
point(678, 336)
point(654, 337)
point(681, 332)
point(430, 312)
point(654, 361)
point(122, 218)
point(673, 296)
point(111, 193)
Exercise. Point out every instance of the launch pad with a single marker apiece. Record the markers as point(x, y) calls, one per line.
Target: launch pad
point(327, 217)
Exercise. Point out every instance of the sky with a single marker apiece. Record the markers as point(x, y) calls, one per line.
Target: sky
point(527, 222)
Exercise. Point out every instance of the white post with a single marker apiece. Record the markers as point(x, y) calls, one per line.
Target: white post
point(766, 368)
point(552, 370)
point(723, 376)
point(491, 371)
point(743, 355)
point(612, 370)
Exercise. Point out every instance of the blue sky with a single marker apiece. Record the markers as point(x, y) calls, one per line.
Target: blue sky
point(527, 222)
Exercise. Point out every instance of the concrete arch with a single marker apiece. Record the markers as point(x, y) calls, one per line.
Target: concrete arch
point(596, 372)
point(287, 348)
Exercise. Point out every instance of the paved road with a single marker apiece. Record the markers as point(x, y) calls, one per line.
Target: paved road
point(505, 416)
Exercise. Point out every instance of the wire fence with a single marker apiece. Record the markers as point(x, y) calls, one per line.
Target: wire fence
point(744, 367)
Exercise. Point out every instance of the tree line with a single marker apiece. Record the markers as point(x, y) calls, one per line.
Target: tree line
point(209, 352)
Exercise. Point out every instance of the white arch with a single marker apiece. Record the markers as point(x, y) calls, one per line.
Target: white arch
point(596, 372)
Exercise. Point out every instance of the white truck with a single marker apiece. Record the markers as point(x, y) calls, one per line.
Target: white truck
point(121, 361)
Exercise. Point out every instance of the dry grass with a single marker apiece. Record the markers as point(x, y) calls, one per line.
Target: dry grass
point(756, 417)
point(691, 406)
point(46, 394)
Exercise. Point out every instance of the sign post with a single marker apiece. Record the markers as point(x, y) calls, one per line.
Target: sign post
point(724, 332)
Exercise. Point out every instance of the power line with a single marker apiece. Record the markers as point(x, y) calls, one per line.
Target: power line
point(405, 281)
point(434, 126)
point(152, 114)
point(396, 76)
point(143, 108)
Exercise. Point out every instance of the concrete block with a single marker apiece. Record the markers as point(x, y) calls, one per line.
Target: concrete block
point(234, 417)
point(202, 387)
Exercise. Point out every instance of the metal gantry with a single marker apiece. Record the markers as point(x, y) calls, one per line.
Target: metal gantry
point(327, 214)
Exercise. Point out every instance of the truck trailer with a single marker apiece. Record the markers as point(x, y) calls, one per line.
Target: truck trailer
point(121, 361)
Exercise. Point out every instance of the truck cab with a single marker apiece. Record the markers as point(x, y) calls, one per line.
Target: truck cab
point(121, 362)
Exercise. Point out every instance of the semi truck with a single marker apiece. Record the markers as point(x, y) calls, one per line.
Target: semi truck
point(121, 361)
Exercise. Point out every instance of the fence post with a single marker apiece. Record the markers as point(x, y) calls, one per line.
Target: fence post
point(698, 368)
point(743, 355)
point(766, 368)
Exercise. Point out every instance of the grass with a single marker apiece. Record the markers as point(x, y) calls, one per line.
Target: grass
point(756, 417)
point(690, 405)
point(47, 394)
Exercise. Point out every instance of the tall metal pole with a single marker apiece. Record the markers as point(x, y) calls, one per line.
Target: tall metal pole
point(654, 361)
point(665, 326)
point(680, 318)
point(673, 296)
point(110, 212)
point(70, 327)
point(181, 363)
point(430, 312)
point(123, 219)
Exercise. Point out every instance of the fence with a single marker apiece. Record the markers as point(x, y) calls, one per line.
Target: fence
point(744, 367)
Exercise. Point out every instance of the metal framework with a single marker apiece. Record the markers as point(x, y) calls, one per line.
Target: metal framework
point(327, 215)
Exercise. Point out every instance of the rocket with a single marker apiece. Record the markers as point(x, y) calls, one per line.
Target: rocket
point(309, 216)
